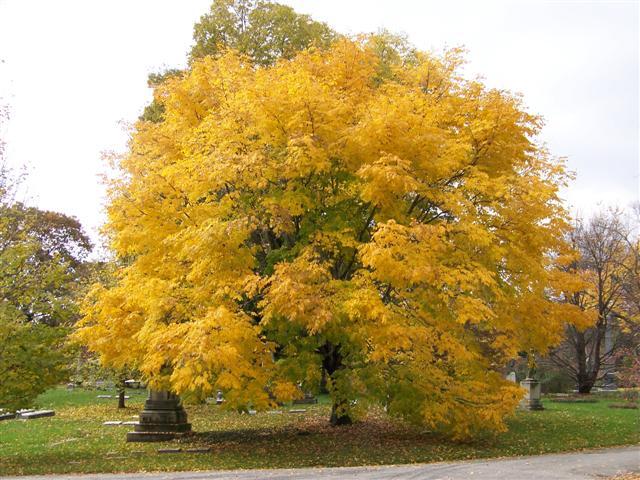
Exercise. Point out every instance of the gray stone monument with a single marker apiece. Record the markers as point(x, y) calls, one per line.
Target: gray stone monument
point(163, 418)
point(531, 400)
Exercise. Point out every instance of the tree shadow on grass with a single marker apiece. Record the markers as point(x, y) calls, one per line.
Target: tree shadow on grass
point(362, 433)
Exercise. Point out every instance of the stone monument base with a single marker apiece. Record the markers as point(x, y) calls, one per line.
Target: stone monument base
point(163, 418)
point(531, 400)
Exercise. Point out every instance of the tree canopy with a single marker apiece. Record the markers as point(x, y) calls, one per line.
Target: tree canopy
point(41, 255)
point(387, 224)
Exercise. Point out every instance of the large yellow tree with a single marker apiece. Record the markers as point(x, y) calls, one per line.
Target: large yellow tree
point(364, 215)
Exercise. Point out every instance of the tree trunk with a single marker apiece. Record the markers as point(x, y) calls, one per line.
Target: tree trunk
point(121, 392)
point(581, 357)
point(342, 418)
point(585, 384)
point(331, 363)
point(587, 367)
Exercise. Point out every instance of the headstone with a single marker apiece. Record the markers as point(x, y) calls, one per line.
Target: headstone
point(198, 450)
point(103, 396)
point(163, 418)
point(71, 386)
point(131, 383)
point(512, 377)
point(609, 382)
point(275, 412)
point(219, 398)
point(298, 410)
point(531, 400)
point(7, 416)
point(308, 399)
point(169, 450)
point(252, 412)
point(627, 405)
point(111, 423)
point(37, 414)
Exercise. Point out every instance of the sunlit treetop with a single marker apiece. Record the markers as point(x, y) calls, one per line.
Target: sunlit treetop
point(357, 212)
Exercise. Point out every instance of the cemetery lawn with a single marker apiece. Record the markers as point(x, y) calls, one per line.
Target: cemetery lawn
point(76, 441)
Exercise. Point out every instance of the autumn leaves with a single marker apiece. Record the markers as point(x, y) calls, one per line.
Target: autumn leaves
point(377, 214)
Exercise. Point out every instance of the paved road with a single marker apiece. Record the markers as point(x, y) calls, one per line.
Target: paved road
point(594, 464)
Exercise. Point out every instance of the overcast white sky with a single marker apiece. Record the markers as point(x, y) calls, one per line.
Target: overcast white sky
point(72, 71)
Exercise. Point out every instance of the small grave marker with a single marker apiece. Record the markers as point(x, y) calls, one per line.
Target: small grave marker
point(37, 414)
point(308, 399)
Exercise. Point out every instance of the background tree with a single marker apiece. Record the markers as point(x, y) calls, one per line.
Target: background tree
point(628, 231)
point(607, 262)
point(264, 31)
point(397, 232)
point(40, 267)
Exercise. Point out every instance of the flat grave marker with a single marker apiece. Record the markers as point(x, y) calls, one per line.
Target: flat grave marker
point(37, 414)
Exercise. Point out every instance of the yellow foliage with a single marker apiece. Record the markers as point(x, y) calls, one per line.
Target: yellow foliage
point(399, 232)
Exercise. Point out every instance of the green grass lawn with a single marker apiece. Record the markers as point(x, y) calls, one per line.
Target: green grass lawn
point(75, 440)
